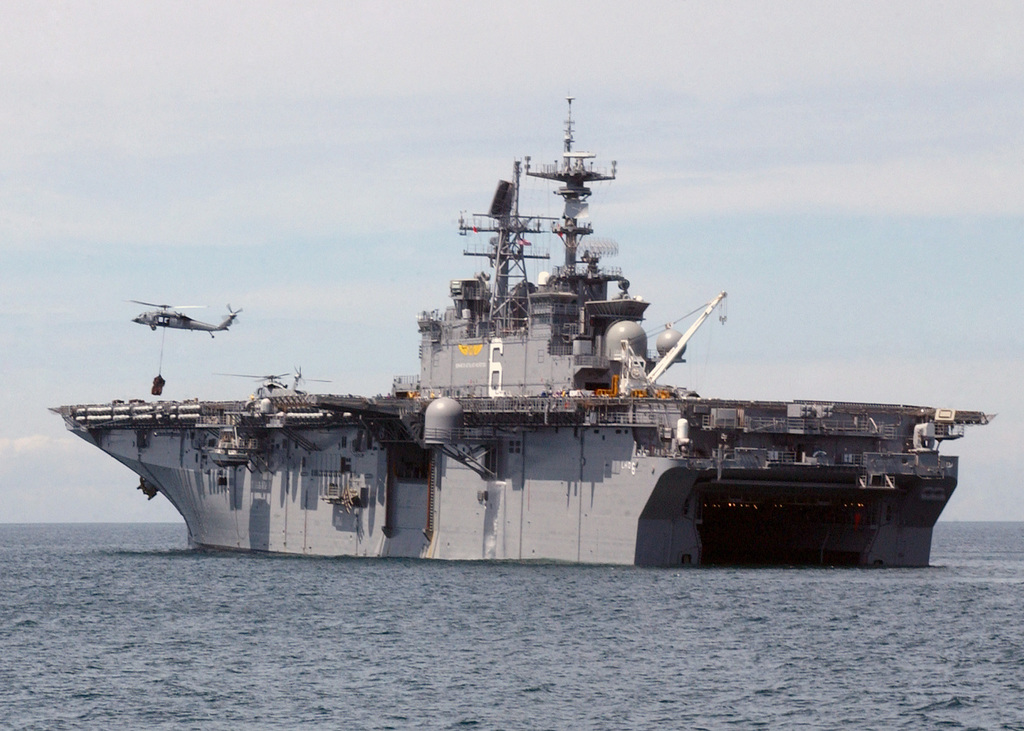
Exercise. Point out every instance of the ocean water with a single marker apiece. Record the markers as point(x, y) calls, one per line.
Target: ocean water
point(120, 626)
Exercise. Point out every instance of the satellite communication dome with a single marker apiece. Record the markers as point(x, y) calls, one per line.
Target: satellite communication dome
point(625, 330)
point(668, 340)
point(442, 421)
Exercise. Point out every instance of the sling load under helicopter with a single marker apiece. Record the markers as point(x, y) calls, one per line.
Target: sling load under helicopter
point(168, 316)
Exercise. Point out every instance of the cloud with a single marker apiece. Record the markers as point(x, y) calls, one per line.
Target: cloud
point(30, 446)
point(45, 479)
point(972, 185)
point(170, 125)
point(387, 48)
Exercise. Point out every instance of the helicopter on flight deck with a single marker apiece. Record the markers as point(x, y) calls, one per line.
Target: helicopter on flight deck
point(167, 316)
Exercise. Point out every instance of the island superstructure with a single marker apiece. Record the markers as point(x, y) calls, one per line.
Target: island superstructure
point(537, 429)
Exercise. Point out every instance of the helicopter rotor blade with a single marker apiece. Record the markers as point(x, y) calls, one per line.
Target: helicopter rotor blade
point(168, 307)
point(265, 377)
point(297, 375)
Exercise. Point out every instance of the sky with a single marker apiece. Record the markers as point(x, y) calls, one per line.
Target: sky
point(851, 173)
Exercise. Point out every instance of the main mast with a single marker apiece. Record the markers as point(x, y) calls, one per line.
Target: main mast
point(574, 175)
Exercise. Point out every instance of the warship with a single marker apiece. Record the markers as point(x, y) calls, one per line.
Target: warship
point(537, 429)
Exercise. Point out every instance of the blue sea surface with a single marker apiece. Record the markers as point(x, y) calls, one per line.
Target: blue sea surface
point(121, 626)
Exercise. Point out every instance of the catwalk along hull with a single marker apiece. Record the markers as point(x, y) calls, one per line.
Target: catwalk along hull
point(603, 481)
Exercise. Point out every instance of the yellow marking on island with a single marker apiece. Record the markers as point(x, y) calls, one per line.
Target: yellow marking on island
point(471, 349)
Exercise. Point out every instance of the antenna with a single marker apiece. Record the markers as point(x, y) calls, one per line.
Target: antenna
point(568, 126)
point(602, 247)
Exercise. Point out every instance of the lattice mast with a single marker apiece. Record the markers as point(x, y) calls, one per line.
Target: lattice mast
point(507, 252)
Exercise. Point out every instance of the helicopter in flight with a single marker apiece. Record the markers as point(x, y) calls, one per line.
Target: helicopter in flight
point(168, 316)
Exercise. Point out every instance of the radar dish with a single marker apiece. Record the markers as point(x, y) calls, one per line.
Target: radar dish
point(576, 209)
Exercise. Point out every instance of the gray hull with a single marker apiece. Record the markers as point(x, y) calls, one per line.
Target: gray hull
point(593, 493)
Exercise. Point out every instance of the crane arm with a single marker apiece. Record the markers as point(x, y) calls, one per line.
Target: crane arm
point(670, 357)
